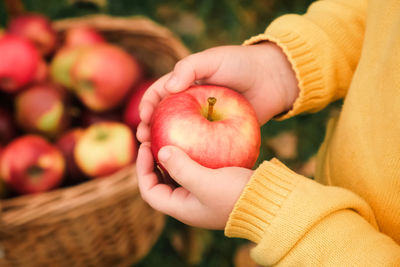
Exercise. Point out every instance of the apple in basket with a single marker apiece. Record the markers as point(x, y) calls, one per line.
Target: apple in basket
point(105, 148)
point(8, 129)
point(30, 164)
point(131, 113)
point(18, 64)
point(103, 76)
point(82, 35)
point(37, 28)
point(62, 62)
point(40, 109)
point(42, 72)
point(66, 143)
point(215, 126)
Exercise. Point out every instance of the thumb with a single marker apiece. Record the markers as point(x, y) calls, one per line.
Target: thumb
point(185, 171)
point(198, 66)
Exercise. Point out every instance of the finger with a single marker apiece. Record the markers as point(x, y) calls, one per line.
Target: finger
point(185, 171)
point(195, 67)
point(146, 111)
point(154, 93)
point(149, 185)
point(176, 203)
point(143, 132)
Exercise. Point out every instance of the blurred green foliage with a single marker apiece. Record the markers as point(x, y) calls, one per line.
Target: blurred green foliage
point(203, 24)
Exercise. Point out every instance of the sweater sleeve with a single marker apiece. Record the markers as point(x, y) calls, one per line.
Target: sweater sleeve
point(294, 219)
point(323, 46)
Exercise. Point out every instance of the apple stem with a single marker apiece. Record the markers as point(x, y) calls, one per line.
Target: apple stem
point(211, 103)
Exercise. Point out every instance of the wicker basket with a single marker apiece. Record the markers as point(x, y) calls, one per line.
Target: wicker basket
point(103, 222)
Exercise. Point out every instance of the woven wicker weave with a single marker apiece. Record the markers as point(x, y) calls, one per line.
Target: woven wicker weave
point(103, 222)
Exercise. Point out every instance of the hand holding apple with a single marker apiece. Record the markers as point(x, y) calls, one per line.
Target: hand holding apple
point(261, 73)
point(217, 127)
point(207, 196)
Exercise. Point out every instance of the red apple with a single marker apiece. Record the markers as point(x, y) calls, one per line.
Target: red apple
point(103, 76)
point(66, 143)
point(7, 127)
point(89, 117)
point(82, 35)
point(62, 62)
point(30, 164)
point(42, 72)
point(40, 109)
point(217, 135)
point(36, 28)
point(19, 61)
point(131, 113)
point(105, 148)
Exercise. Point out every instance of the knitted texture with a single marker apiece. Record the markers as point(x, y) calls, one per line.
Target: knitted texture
point(349, 216)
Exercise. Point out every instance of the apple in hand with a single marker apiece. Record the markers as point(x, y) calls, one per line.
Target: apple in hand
point(105, 148)
point(36, 28)
point(82, 35)
point(66, 143)
point(131, 113)
point(19, 61)
point(7, 127)
point(30, 164)
point(215, 126)
point(40, 109)
point(103, 76)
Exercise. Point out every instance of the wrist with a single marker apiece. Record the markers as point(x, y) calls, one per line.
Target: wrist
point(284, 76)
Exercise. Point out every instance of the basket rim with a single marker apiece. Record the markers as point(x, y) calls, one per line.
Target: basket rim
point(26, 209)
point(142, 25)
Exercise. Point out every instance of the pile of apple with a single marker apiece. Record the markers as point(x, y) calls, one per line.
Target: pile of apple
point(68, 107)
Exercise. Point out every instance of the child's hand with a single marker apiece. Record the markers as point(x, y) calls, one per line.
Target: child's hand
point(207, 196)
point(261, 73)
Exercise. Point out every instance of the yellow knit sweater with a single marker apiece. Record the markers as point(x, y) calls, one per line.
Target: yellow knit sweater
point(350, 216)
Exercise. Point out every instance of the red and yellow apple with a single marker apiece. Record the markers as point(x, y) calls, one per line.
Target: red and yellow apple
point(30, 164)
point(105, 148)
point(40, 109)
point(215, 126)
point(82, 35)
point(131, 113)
point(36, 28)
point(62, 62)
point(19, 61)
point(103, 76)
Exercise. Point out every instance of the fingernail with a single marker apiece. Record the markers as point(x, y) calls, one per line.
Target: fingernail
point(164, 154)
point(172, 82)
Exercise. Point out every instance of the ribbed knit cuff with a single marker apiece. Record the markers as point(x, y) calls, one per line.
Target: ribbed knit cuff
point(272, 184)
point(312, 96)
